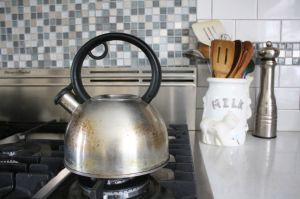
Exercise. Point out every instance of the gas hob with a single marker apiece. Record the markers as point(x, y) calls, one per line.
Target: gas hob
point(33, 168)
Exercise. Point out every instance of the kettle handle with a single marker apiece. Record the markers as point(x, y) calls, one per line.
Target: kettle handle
point(76, 81)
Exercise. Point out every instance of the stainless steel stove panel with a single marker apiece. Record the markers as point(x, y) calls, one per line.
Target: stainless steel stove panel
point(27, 94)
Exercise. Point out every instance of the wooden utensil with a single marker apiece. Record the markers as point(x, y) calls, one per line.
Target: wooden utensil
point(250, 68)
point(237, 56)
point(204, 49)
point(222, 55)
point(208, 30)
point(247, 56)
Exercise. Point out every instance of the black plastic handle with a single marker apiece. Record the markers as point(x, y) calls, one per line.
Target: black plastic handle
point(76, 81)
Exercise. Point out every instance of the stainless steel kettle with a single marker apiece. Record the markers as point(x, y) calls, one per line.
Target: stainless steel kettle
point(113, 136)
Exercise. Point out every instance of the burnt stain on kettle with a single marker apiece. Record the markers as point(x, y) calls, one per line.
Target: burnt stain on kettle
point(155, 134)
point(72, 128)
point(89, 130)
point(86, 128)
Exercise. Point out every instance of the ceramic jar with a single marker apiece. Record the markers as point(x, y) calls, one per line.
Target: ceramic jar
point(226, 110)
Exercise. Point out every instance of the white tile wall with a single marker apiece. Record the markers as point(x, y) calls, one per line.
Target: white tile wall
point(287, 98)
point(229, 26)
point(234, 9)
point(278, 9)
point(289, 76)
point(259, 21)
point(204, 9)
point(255, 19)
point(258, 30)
point(288, 120)
point(291, 30)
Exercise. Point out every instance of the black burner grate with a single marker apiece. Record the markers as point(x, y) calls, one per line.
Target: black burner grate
point(21, 176)
point(184, 183)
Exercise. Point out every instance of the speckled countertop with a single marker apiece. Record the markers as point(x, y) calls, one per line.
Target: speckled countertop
point(260, 169)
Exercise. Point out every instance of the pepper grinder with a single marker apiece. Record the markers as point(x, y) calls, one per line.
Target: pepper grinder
point(266, 112)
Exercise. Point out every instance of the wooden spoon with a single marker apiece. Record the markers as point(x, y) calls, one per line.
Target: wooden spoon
point(237, 56)
point(246, 58)
point(222, 55)
point(250, 68)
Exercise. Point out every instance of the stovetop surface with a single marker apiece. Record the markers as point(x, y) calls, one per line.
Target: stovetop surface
point(25, 167)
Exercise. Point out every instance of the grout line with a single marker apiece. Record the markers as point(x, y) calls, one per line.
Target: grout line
point(288, 110)
point(256, 9)
point(250, 19)
point(280, 31)
point(211, 9)
point(235, 29)
point(279, 74)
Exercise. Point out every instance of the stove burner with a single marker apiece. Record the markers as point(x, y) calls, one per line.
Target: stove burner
point(20, 148)
point(117, 181)
point(141, 187)
point(114, 188)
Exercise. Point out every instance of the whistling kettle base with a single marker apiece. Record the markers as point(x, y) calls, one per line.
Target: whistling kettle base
point(106, 175)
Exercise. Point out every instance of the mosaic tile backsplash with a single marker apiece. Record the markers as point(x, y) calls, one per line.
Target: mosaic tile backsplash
point(48, 33)
point(289, 53)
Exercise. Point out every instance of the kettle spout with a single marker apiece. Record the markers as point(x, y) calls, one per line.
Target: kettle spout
point(66, 99)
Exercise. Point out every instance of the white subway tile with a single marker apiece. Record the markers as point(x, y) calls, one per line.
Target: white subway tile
point(203, 9)
point(258, 30)
point(291, 30)
point(229, 26)
point(289, 76)
point(234, 9)
point(278, 9)
point(288, 120)
point(201, 91)
point(287, 98)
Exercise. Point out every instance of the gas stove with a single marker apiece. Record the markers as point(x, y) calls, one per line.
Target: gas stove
point(32, 167)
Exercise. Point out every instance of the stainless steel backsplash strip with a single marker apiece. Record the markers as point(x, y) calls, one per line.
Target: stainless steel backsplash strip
point(27, 94)
point(97, 76)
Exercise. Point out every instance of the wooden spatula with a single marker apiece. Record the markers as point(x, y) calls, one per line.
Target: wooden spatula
point(222, 56)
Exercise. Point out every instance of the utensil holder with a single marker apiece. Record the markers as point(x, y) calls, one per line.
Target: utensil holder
point(226, 110)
